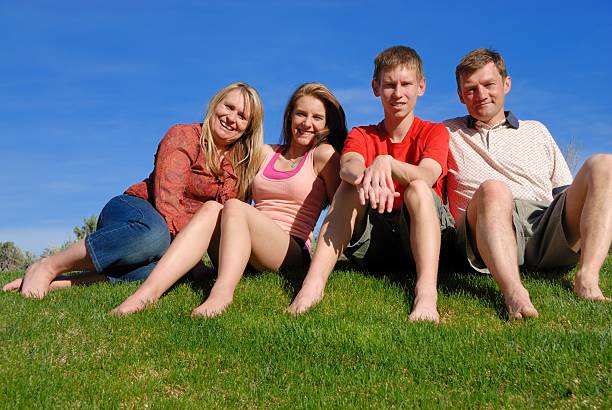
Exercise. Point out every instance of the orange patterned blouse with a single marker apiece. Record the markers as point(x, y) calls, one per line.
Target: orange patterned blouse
point(180, 182)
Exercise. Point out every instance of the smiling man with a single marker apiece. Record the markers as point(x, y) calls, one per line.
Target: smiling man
point(388, 209)
point(513, 196)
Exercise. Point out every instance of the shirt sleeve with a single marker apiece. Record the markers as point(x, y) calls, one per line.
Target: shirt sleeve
point(356, 142)
point(560, 174)
point(436, 146)
point(175, 156)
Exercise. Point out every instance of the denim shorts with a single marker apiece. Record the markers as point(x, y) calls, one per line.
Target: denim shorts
point(130, 238)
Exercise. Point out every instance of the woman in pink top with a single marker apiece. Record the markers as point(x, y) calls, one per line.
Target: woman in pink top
point(295, 181)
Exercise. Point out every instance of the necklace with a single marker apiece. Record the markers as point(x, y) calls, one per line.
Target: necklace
point(293, 163)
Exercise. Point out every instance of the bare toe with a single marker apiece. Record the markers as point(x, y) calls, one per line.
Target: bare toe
point(13, 285)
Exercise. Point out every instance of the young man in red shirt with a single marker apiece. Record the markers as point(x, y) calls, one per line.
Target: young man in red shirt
point(388, 210)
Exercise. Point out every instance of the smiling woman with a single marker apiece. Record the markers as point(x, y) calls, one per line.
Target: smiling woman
point(295, 181)
point(196, 166)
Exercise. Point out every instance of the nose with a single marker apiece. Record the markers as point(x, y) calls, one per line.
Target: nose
point(307, 122)
point(232, 116)
point(396, 91)
point(481, 92)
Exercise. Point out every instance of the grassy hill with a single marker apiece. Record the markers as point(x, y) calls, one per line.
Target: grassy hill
point(356, 349)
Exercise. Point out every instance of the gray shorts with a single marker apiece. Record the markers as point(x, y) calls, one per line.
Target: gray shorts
point(385, 241)
point(540, 239)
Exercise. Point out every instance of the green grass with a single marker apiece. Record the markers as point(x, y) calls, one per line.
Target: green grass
point(356, 349)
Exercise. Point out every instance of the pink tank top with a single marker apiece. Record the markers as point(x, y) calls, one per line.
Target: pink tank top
point(293, 199)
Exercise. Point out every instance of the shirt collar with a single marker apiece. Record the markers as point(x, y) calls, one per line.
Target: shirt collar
point(511, 120)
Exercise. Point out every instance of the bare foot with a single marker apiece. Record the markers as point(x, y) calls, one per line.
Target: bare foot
point(519, 305)
point(213, 306)
point(13, 285)
point(425, 309)
point(135, 303)
point(37, 279)
point(307, 298)
point(585, 289)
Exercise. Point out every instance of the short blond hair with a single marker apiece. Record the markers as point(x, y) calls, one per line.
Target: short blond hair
point(476, 59)
point(398, 56)
point(245, 154)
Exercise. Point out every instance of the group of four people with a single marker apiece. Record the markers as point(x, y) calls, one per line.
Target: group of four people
point(508, 187)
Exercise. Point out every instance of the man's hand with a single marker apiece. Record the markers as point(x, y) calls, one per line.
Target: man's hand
point(376, 185)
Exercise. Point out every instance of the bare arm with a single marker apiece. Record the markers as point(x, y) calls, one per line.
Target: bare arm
point(327, 166)
point(352, 166)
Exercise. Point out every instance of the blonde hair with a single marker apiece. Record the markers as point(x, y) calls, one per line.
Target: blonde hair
point(398, 56)
point(334, 132)
point(245, 154)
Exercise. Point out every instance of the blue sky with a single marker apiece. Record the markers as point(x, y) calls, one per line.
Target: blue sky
point(87, 88)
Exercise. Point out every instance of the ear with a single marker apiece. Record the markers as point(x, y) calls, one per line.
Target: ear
point(507, 85)
point(422, 86)
point(375, 88)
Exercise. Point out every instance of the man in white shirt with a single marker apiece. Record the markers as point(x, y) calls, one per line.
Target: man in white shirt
point(512, 194)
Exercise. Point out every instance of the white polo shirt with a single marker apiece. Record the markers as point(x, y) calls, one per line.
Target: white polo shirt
point(522, 154)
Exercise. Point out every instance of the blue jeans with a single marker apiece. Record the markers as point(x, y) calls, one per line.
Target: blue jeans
point(130, 238)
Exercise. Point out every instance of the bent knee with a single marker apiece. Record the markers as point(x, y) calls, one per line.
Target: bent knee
point(416, 193)
point(492, 192)
point(599, 166)
point(234, 207)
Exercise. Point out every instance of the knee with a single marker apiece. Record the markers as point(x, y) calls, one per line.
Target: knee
point(599, 168)
point(493, 194)
point(206, 210)
point(233, 208)
point(416, 194)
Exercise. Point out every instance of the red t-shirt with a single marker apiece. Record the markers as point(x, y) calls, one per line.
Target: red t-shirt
point(424, 140)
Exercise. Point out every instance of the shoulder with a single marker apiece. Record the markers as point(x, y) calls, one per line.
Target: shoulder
point(268, 149)
point(455, 124)
point(183, 135)
point(324, 152)
point(324, 155)
point(532, 126)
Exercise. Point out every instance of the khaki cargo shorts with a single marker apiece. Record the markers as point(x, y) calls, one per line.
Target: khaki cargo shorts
point(540, 239)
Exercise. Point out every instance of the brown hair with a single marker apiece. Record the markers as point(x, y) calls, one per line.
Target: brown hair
point(334, 132)
point(245, 154)
point(476, 59)
point(398, 56)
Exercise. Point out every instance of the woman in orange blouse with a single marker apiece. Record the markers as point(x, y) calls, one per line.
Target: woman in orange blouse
point(289, 192)
point(196, 166)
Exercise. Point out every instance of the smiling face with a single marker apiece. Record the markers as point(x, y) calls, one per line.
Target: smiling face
point(231, 118)
point(307, 119)
point(483, 93)
point(398, 89)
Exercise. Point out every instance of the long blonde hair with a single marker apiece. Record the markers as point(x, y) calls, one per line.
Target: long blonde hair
point(245, 154)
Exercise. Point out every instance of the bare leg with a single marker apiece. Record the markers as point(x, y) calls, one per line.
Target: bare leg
point(425, 245)
point(62, 282)
point(39, 275)
point(489, 217)
point(242, 228)
point(334, 236)
point(588, 222)
point(183, 254)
